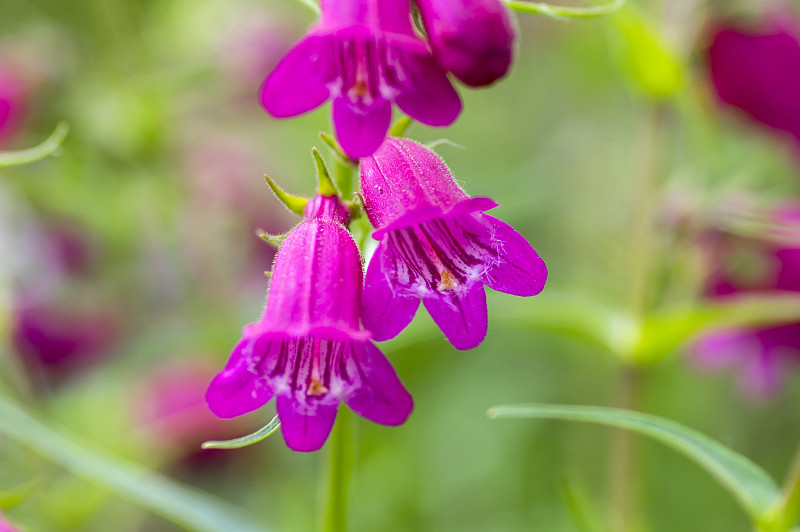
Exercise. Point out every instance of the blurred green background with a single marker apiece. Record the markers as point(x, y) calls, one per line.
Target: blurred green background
point(139, 235)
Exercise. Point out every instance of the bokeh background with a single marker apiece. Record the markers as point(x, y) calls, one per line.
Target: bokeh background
point(129, 264)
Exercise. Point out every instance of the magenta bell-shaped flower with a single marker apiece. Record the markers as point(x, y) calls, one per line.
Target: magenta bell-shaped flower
point(363, 55)
point(309, 349)
point(473, 39)
point(758, 71)
point(436, 245)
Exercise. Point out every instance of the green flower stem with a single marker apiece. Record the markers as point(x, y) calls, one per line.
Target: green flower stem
point(623, 481)
point(338, 475)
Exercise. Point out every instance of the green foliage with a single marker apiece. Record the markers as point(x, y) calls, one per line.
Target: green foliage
point(192, 509)
point(752, 487)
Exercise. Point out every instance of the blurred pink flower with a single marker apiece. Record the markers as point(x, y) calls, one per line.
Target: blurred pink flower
point(171, 405)
point(762, 355)
point(54, 342)
point(5, 526)
point(757, 70)
point(13, 104)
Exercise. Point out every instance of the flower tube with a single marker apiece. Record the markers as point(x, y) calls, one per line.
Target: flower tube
point(436, 245)
point(362, 55)
point(308, 349)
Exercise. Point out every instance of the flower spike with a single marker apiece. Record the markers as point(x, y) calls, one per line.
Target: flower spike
point(326, 186)
point(296, 204)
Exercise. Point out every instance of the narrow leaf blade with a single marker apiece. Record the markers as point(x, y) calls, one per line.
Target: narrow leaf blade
point(748, 483)
point(192, 509)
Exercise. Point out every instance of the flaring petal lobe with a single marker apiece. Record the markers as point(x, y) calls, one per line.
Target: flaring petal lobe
point(305, 427)
point(518, 269)
point(462, 317)
point(385, 312)
point(425, 92)
point(361, 128)
point(378, 395)
point(237, 390)
point(298, 83)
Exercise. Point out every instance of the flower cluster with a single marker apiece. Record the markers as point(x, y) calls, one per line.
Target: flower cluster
point(740, 267)
point(364, 55)
point(313, 346)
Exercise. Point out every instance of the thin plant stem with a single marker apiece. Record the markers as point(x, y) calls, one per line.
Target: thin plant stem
point(338, 474)
point(623, 482)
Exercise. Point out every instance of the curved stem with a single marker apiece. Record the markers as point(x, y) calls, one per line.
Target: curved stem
point(550, 10)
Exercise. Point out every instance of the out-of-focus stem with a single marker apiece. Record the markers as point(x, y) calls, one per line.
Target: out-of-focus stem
point(787, 511)
point(338, 474)
point(623, 482)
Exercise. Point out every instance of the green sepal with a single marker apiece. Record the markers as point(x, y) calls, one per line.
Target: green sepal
point(40, 151)
point(326, 185)
point(296, 204)
point(400, 127)
point(356, 207)
point(269, 238)
point(337, 150)
point(237, 443)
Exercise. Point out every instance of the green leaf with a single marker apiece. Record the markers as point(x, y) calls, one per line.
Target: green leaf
point(400, 127)
point(14, 496)
point(261, 434)
point(326, 185)
point(189, 508)
point(645, 55)
point(748, 483)
point(666, 330)
point(564, 13)
point(296, 204)
point(48, 146)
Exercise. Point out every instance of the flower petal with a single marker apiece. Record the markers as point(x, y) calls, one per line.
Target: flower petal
point(305, 427)
point(425, 93)
point(462, 317)
point(298, 83)
point(237, 389)
point(378, 394)
point(385, 311)
point(361, 128)
point(519, 270)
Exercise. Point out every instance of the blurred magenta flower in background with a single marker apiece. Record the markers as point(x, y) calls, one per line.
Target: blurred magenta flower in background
point(363, 55)
point(472, 39)
point(13, 104)
point(741, 267)
point(308, 349)
point(5, 526)
point(436, 245)
point(54, 341)
point(757, 70)
point(171, 405)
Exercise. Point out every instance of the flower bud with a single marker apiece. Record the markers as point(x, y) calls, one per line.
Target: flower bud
point(473, 39)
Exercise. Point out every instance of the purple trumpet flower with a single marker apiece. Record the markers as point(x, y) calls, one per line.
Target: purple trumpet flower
point(436, 245)
point(762, 354)
point(758, 71)
point(473, 39)
point(308, 349)
point(363, 55)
